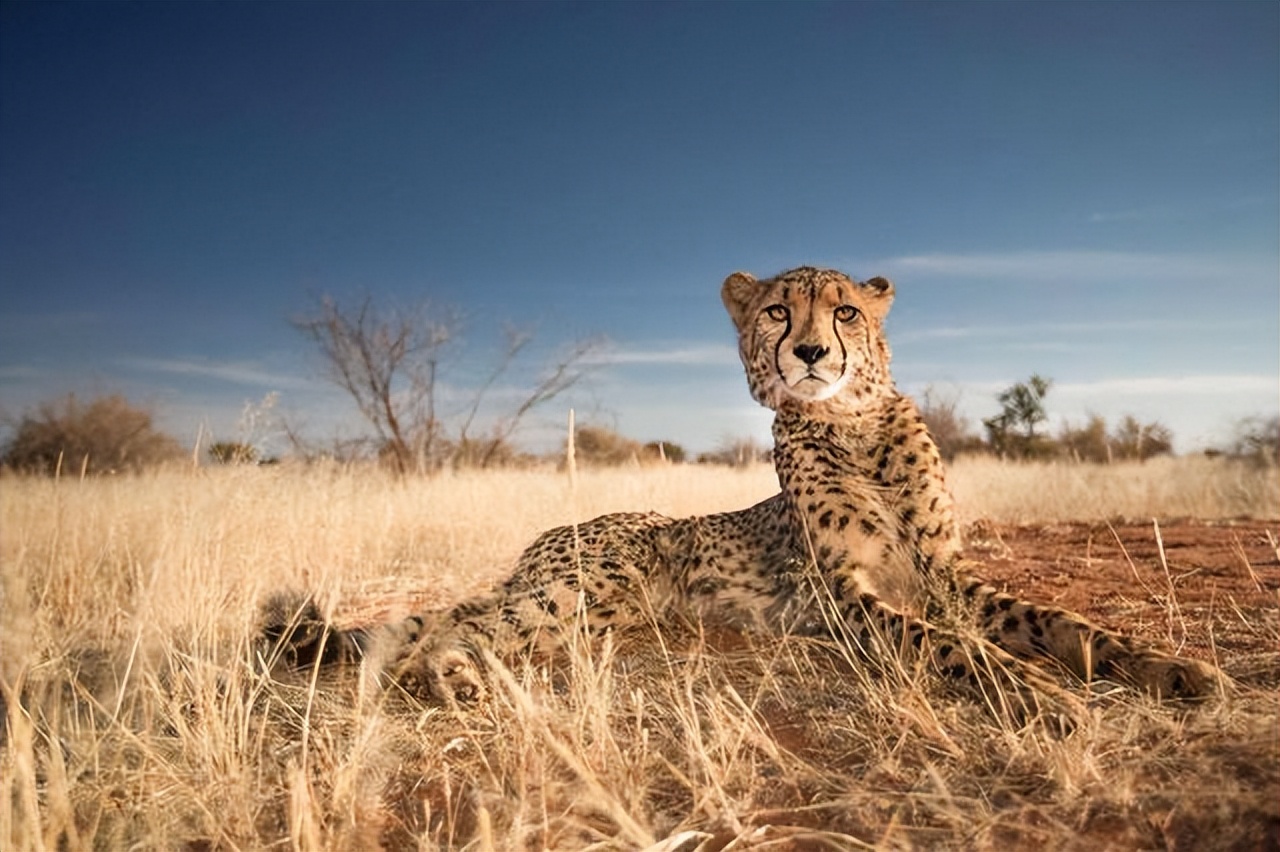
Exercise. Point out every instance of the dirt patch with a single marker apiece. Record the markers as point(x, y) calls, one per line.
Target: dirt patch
point(1211, 589)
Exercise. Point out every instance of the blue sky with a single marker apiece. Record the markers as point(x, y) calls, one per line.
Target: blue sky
point(1089, 191)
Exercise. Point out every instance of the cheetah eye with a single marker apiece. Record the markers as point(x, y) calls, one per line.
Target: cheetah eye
point(777, 313)
point(845, 313)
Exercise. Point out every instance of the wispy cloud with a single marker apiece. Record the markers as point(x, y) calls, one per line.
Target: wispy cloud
point(1204, 385)
point(1080, 266)
point(18, 372)
point(1041, 330)
point(241, 373)
point(708, 355)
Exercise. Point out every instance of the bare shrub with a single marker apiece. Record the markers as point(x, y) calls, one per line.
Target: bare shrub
point(663, 451)
point(1140, 441)
point(597, 445)
point(106, 435)
point(1132, 440)
point(950, 429)
point(738, 452)
point(1257, 439)
point(388, 362)
point(391, 362)
point(233, 452)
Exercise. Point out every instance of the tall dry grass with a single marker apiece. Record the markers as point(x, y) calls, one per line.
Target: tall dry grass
point(1162, 487)
point(138, 718)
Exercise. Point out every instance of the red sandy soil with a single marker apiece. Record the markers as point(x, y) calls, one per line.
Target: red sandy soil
point(1224, 576)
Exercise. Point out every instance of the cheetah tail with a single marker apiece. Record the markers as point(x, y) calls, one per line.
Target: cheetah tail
point(292, 633)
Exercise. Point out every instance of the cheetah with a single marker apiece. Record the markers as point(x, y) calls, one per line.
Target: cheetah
point(865, 481)
point(860, 542)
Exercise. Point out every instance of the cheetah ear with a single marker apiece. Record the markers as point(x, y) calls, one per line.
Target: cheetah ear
point(737, 293)
point(881, 292)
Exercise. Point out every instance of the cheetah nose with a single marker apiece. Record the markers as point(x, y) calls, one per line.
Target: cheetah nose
point(810, 354)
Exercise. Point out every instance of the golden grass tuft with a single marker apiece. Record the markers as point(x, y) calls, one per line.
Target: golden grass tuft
point(137, 716)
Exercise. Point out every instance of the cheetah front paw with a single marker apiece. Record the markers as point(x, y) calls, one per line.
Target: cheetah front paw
point(457, 678)
point(446, 675)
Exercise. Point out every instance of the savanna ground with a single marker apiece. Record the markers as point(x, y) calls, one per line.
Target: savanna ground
point(138, 715)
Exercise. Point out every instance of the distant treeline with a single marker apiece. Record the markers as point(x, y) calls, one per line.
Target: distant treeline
point(108, 434)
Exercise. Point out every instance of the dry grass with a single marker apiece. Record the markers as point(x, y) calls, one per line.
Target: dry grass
point(1163, 487)
point(137, 719)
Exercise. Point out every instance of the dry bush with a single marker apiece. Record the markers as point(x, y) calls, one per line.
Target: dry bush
point(485, 453)
point(392, 362)
point(138, 715)
point(107, 435)
point(1257, 439)
point(950, 429)
point(663, 451)
point(1130, 440)
point(233, 452)
point(1087, 443)
point(597, 445)
point(738, 452)
point(1135, 440)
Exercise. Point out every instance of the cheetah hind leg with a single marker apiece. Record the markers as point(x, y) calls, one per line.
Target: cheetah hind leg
point(427, 658)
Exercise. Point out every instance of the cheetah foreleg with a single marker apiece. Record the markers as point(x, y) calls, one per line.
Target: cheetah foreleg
point(1009, 686)
point(1029, 630)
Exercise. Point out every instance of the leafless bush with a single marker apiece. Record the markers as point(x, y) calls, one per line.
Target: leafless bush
point(1257, 439)
point(738, 452)
point(1132, 440)
point(950, 429)
point(493, 451)
point(390, 361)
point(233, 452)
point(663, 451)
point(106, 435)
point(600, 446)
point(1140, 441)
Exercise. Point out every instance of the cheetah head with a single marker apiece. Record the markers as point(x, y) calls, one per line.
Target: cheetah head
point(811, 337)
